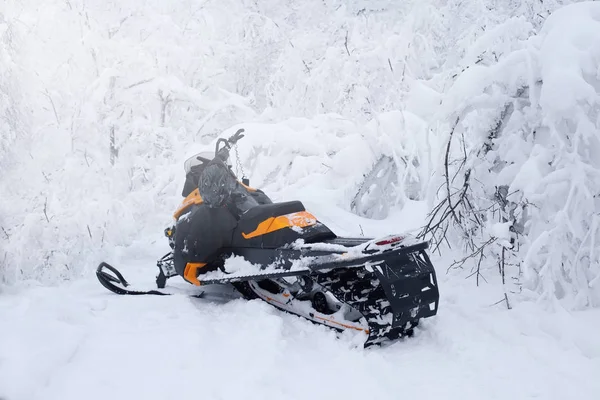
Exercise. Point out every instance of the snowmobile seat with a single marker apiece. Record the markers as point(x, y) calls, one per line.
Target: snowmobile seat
point(264, 211)
point(252, 219)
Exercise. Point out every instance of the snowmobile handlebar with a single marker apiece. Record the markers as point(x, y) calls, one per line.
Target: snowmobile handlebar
point(223, 152)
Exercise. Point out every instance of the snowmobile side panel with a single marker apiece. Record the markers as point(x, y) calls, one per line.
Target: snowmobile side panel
point(274, 225)
point(309, 234)
point(200, 235)
point(301, 219)
point(253, 226)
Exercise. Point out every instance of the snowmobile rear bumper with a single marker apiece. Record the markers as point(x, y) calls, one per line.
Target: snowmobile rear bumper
point(410, 286)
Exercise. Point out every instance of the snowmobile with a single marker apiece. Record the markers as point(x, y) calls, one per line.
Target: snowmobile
point(227, 233)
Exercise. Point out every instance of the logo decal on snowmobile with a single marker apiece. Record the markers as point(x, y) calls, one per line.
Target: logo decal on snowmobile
point(300, 219)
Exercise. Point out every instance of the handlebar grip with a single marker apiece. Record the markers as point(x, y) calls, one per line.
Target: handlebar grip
point(223, 152)
point(237, 136)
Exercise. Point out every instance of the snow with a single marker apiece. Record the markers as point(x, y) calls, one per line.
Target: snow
point(80, 341)
point(93, 136)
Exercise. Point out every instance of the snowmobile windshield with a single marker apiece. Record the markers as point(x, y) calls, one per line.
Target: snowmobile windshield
point(195, 160)
point(216, 185)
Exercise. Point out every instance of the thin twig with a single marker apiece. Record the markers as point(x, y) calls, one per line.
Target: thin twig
point(45, 207)
point(306, 66)
point(139, 83)
point(346, 43)
point(446, 167)
point(507, 303)
point(53, 106)
point(477, 251)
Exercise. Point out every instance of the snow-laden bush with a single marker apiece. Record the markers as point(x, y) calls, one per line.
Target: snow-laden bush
point(520, 175)
point(10, 97)
point(13, 125)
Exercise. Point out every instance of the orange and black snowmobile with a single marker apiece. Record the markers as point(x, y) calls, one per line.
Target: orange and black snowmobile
point(226, 233)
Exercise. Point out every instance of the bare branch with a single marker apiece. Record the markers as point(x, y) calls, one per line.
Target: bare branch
point(477, 251)
point(112, 32)
point(47, 94)
point(45, 208)
point(139, 83)
point(446, 167)
point(346, 43)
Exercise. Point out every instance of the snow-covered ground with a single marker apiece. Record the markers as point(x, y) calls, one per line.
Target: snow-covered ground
point(78, 341)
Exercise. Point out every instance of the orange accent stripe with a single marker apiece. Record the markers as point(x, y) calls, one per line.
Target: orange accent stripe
point(273, 300)
point(191, 199)
point(325, 319)
point(339, 323)
point(300, 219)
point(191, 272)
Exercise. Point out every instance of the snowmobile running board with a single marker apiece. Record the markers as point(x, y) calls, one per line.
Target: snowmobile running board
point(319, 264)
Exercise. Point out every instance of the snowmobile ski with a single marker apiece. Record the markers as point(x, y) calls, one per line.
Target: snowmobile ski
point(117, 283)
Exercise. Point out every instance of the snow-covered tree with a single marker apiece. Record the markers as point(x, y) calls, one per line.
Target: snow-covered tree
point(520, 176)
